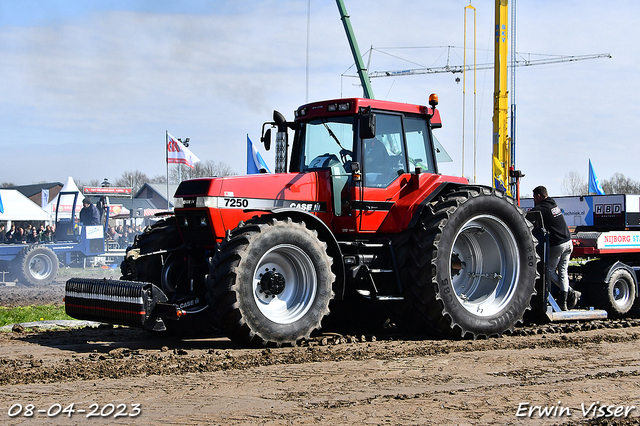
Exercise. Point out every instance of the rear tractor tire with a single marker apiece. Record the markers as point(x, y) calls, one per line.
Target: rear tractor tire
point(472, 270)
point(270, 283)
point(36, 265)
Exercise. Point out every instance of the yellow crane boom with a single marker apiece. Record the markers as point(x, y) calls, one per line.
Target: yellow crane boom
point(501, 142)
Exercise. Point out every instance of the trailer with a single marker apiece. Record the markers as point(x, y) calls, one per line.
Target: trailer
point(38, 263)
point(606, 250)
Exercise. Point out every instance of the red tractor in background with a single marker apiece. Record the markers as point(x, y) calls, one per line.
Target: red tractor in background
point(361, 215)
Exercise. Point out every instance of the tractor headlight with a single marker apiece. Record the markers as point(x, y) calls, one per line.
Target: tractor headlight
point(207, 202)
point(186, 202)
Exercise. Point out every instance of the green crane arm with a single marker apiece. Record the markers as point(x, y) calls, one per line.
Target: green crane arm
point(362, 71)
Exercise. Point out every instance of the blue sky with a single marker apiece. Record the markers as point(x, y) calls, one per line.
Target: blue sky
point(90, 87)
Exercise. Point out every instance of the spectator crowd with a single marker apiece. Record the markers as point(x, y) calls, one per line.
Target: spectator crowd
point(26, 234)
point(123, 236)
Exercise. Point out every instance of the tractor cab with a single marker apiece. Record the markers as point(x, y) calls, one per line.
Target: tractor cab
point(385, 139)
point(373, 150)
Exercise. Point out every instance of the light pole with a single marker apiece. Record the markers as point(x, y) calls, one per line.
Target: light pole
point(103, 204)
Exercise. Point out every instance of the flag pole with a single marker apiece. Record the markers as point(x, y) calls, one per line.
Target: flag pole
point(166, 154)
point(589, 181)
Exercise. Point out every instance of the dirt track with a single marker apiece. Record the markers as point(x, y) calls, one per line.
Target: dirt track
point(384, 378)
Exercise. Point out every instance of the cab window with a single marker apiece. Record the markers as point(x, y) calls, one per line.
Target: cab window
point(384, 156)
point(325, 143)
point(418, 146)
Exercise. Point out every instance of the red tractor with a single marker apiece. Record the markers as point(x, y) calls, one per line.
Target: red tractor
point(362, 214)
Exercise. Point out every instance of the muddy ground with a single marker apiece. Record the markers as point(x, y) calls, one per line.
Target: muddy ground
point(576, 373)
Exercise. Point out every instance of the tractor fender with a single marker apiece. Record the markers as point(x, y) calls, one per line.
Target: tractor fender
point(443, 188)
point(324, 233)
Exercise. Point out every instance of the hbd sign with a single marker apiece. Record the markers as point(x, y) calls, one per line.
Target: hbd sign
point(606, 209)
point(609, 214)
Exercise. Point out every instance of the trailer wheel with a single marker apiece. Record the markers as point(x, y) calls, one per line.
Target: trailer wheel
point(36, 265)
point(617, 296)
point(473, 263)
point(270, 283)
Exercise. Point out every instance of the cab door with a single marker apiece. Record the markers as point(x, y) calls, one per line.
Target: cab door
point(384, 163)
point(401, 144)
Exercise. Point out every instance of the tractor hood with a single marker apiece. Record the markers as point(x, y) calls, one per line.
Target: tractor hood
point(221, 203)
point(259, 191)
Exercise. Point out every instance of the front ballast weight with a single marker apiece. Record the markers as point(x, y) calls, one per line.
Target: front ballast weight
point(130, 303)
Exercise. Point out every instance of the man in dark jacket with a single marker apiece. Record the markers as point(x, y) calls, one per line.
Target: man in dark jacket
point(19, 237)
point(561, 245)
point(32, 237)
point(89, 215)
point(11, 233)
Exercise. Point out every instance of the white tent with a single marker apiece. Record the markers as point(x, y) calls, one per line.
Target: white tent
point(16, 206)
point(66, 204)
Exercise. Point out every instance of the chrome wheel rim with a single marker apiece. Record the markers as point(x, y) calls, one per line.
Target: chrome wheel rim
point(294, 300)
point(40, 267)
point(621, 292)
point(484, 265)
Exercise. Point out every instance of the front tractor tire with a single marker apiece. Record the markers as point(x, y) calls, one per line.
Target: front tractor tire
point(472, 268)
point(176, 271)
point(270, 283)
point(36, 265)
point(162, 235)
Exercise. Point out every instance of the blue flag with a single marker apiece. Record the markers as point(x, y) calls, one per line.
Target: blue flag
point(594, 183)
point(254, 159)
point(1, 206)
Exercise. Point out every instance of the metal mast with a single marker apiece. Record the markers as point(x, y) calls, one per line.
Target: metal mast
point(464, 89)
point(512, 182)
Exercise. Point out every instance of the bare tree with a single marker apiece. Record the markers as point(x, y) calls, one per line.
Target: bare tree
point(7, 184)
point(620, 184)
point(92, 182)
point(200, 169)
point(574, 184)
point(134, 179)
point(158, 179)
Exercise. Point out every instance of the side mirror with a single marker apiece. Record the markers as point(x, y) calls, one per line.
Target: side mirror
point(266, 139)
point(367, 124)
